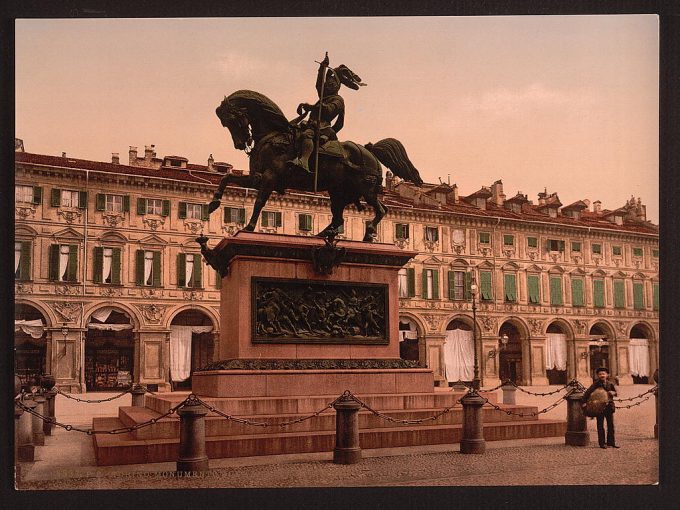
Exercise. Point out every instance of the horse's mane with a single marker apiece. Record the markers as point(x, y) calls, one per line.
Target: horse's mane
point(267, 108)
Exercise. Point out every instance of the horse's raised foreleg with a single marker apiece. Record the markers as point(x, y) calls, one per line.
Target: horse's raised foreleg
point(380, 211)
point(239, 180)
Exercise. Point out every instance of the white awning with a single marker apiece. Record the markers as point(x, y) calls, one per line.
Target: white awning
point(34, 328)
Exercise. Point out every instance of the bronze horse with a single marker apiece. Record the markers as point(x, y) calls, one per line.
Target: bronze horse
point(258, 127)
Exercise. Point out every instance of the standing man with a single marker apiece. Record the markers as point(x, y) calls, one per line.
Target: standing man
point(608, 413)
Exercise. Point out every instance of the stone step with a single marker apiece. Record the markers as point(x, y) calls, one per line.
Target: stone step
point(218, 426)
point(250, 406)
point(116, 450)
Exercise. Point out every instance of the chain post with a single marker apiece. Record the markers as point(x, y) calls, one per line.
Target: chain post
point(509, 392)
point(17, 417)
point(473, 424)
point(192, 454)
point(347, 449)
point(37, 424)
point(26, 449)
point(577, 429)
point(656, 418)
point(138, 391)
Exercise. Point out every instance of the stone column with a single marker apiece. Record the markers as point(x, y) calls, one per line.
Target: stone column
point(37, 422)
point(192, 453)
point(347, 449)
point(47, 382)
point(138, 391)
point(538, 376)
point(26, 450)
point(509, 392)
point(473, 425)
point(577, 428)
point(17, 417)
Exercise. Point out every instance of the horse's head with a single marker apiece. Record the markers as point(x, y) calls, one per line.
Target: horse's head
point(236, 120)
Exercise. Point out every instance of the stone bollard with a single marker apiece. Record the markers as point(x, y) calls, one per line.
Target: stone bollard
point(192, 455)
point(17, 416)
point(509, 392)
point(347, 449)
point(50, 400)
point(26, 450)
point(37, 422)
point(577, 429)
point(473, 425)
point(138, 391)
point(656, 421)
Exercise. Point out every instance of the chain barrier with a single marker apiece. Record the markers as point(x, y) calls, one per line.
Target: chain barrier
point(93, 401)
point(493, 389)
point(635, 404)
point(264, 423)
point(524, 414)
point(651, 390)
point(546, 394)
point(403, 422)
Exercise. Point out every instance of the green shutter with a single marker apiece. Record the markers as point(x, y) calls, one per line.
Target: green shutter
point(126, 203)
point(264, 220)
point(156, 269)
point(139, 267)
point(411, 281)
point(301, 222)
point(510, 287)
point(56, 197)
point(398, 231)
point(598, 293)
point(226, 214)
point(25, 262)
point(655, 295)
point(166, 208)
point(452, 284)
point(533, 283)
point(638, 296)
point(97, 264)
point(577, 292)
point(242, 215)
point(115, 266)
point(508, 240)
point(485, 284)
point(468, 286)
point(100, 202)
point(37, 195)
point(555, 290)
point(277, 217)
point(72, 269)
point(424, 282)
point(619, 294)
point(54, 262)
point(141, 206)
point(82, 199)
point(198, 271)
point(182, 211)
point(205, 215)
point(181, 270)
point(435, 284)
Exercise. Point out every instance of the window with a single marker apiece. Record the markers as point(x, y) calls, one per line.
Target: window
point(655, 296)
point(459, 285)
point(533, 284)
point(484, 238)
point(432, 234)
point(235, 215)
point(637, 252)
point(655, 254)
point(106, 265)
point(28, 194)
point(305, 222)
point(532, 242)
point(638, 296)
point(510, 281)
point(153, 206)
point(407, 282)
point(598, 293)
point(576, 246)
point(486, 291)
point(430, 284)
point(193, 211)
point(189, 270)
point(597, 249)
point(556, 290)
point(112, 203)
point(68, 198)
point(271, 219)
point(555, 245)
point(619, 294)
point(616, 250)
point(63, 263)
point(148, 268)
point(577, 292)
point(508, 240)
point(22, 260)
point(401, 231)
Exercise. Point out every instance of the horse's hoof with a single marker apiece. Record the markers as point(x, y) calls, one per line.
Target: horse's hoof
point(213, 206)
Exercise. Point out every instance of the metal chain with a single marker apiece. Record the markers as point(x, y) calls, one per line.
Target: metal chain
point(651, 390)
point(540, 394)
point(492, 389)
point(635, 404)
point(536, 413)
point(404, 422)
point(92, 401)
point(264, 423)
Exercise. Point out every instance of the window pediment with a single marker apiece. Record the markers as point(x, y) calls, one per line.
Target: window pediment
point(68, 233)
point(533, 268)
point(510, 266)
point(153, 240)
point(25, 231)
point(556, 270)
point(599, 273)
point(432, 261)
point(485, 265)
point(113, 237)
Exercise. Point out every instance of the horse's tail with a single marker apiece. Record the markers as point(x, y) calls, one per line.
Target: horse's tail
point(391, 153)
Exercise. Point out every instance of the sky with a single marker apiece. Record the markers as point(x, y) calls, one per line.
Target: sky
point(563, 103)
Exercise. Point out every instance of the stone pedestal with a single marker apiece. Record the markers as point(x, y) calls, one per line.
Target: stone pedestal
point(17, 416)
point(192, 453)
point(509, 392)
point(37, 422)
point(49, 408)
point(347, 449)
point(473, 426)
point(26, 449)
point(138, 391)
point(577, 429)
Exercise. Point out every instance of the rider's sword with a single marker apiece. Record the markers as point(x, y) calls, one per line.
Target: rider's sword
point(318, 130)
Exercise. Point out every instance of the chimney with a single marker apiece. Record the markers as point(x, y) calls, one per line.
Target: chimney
point(455, 193)
point(587, 202)
point(597, 206)
point(542, 196)
point(115, 158)
point(497, 192)
point(389, 181)
point(63, 154)
point(149, 153)
point(133, 156)
point(211, 160)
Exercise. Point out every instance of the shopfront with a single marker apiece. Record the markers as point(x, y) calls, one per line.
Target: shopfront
point(109, 351)
point(30, 345)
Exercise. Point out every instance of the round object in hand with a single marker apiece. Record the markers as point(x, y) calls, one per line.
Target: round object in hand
point(597, 403)
point(47, 381)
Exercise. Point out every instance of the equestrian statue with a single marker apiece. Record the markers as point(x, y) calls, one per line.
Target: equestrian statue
point(280, 152)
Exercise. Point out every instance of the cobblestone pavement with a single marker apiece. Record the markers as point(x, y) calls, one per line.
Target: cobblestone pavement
point(67, 460)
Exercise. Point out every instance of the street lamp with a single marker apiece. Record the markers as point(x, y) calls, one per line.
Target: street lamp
point(473, 292)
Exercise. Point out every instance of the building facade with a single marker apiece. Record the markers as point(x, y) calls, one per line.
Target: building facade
point(111, 288)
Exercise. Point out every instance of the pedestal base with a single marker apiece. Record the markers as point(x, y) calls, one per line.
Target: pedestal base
point(472, 446)
point(572, 438)
point(346, 455)
point(188, 466)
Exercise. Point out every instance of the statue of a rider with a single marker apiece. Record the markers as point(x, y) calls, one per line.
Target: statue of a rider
point(329, 107)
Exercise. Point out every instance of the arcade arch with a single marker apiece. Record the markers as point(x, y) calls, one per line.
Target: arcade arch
point(640, 353)
point(513, 359)
point(601, 352)
point(558, 338)
point(192, 345)
point(459, 350)
point(411, 339)
point(30, 343)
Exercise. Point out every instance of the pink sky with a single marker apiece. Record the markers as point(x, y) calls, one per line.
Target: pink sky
point(564, 102)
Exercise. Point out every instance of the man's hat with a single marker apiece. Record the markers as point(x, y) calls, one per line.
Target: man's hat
point(602, 369)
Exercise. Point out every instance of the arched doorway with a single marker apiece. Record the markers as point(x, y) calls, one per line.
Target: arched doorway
point(109, 350)
point(459, 354)
point(30, 345)
point(192, 346)
point(510, 357)
point(599, 349)
point(556, 354)
point(409, 339)
point(638, 354)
